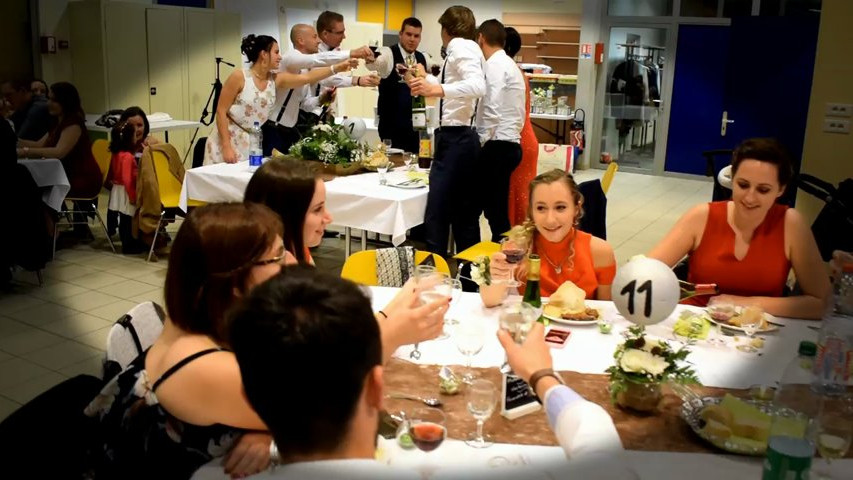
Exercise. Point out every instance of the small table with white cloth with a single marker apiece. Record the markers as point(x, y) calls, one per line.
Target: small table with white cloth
point(562, 126)
point(589, 351)
point(355, 201)
point(155, 126)
point(49, 175)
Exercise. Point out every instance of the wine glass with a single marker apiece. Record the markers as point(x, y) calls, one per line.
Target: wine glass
point(401, 68)
point(427, 429)
point(382, 170)
point(410, 159)
point(455, 294)
point(750, 325)
point(387, 142)
point(374, 47)
point(514, 249)
point(482, 397)
point(469, 337)
point(517, 318)
point(420, 274)
point(834, 429)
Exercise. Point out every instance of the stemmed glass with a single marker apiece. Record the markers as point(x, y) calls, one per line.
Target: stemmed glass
point(387, 143)
point(514, 249)
point(469, 337)
point(410, 159)
point(834, 429)
point(421, 274)
point(517, 318)
point(749, 326)
point(382, 170)
point(455, 294)
point(403, 68)
point(427, 428)
point(482, 397)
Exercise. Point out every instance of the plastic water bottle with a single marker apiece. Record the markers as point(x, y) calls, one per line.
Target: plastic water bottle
point(256, 151)
point(832, 367)
point(789, 448)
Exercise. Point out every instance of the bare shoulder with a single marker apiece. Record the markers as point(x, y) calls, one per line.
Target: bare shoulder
point(236, 78)
point(602, 252)
point(697, 215)
point(795, 220)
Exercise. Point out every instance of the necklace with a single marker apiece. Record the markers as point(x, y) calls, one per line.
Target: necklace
point(558, 267)
point(259, 77)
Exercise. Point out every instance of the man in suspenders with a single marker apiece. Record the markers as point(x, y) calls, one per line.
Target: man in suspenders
point(395, 99)
point(279, 131)
point(462, 83)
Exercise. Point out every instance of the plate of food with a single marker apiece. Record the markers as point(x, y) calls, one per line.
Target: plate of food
point(568, 306)
point(394, 151)
point(736, 425)
point(732, 317)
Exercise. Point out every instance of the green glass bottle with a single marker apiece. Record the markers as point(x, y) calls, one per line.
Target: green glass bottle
point(532, 294)
point(419, 113)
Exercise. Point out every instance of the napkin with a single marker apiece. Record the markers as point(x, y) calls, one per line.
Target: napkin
point(422, 176)
point(692, 325)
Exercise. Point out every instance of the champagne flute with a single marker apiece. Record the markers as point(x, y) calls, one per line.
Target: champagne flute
point(833, 429)
point(514, 249)
point(469, 337)
point(482, 397)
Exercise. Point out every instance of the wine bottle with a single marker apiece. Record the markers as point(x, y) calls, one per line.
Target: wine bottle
point(419, 113)
point(689, 290)
point(532, 294)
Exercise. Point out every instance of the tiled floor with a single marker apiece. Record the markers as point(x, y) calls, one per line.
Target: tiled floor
point(56, 331)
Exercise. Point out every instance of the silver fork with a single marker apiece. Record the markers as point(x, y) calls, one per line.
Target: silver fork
point(415, 354)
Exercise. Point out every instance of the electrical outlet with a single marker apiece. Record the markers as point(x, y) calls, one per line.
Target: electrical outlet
point(839, 110)
point(836, 125)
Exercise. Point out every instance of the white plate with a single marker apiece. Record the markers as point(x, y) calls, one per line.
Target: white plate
point(394, 151)
point(408, 186)
point(579, 323)
point(767, 317)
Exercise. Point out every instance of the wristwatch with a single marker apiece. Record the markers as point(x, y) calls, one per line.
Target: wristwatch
point(538, 375)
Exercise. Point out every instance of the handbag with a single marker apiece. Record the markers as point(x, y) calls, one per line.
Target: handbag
point(577, 136)
point(555, 156)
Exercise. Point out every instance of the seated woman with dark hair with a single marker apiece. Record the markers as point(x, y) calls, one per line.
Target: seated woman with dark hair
point(181, 403)
point(748, 245)
point(297, 193)
point(124, 170)
point(136, 117)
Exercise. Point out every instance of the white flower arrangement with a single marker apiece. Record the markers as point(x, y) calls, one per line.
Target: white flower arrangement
point(480, 270)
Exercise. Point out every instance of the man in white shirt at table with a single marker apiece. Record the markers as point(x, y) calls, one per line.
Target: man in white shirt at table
point(280, 130)
point(462, 84)
point(310, 355)
point(500, 116)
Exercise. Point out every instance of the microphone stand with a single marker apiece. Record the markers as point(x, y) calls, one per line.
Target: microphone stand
point(214, 96)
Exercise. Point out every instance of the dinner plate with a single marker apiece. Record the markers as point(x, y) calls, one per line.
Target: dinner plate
point(408, 186)
point(767, 317)
point(394, 151)
point(579, 323)
point(691, 410)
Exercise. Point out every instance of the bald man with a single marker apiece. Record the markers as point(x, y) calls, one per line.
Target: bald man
point(280, 130)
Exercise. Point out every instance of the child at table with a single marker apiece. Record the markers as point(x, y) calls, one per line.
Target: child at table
point(123, 172)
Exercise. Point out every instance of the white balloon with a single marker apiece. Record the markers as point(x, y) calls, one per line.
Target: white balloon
point(354, 127)
point(645, 291)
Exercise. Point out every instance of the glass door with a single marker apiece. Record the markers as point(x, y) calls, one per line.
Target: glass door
point(632, 96)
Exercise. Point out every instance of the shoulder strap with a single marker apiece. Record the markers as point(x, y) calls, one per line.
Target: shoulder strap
point(125, 321)
point(174, 368)
point(284, 106)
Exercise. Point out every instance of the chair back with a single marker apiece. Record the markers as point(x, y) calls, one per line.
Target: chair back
point(607, 179)
point(360, 267)
point(101, 152)
point(131, 335)
point(169, 185)
point(198, 152)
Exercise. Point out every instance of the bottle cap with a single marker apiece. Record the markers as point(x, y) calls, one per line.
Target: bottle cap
point(807, 349)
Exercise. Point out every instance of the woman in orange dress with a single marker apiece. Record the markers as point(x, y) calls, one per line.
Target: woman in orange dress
point(748, 245)
point(568, 254)
point(526, 170)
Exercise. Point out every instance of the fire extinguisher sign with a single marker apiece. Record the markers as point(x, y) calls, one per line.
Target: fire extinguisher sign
point(586, 51)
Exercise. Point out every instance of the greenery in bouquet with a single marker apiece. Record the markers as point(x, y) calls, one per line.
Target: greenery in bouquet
point(642, 360)
point(328, 143)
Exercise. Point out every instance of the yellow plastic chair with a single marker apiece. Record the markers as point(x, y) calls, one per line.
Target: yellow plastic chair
point(360, 267)
point(101, 152)
point(481, 249)
point(170, 192)
point(607, 179)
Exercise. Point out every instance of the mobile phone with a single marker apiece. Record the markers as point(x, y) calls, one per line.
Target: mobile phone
point(557, 337)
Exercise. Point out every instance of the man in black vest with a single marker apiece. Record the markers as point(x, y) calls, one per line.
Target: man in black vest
point(395, 98)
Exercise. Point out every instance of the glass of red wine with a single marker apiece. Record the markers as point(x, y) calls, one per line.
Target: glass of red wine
point(514, 248)
point(401, 71)
point(435, 69)
point(427, 428)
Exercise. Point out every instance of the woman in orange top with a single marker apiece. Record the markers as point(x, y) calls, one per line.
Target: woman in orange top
point(568, 254)
point(524, 173)
point(748, 245)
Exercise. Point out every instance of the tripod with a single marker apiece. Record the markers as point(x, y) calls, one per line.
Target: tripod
point(214, 96)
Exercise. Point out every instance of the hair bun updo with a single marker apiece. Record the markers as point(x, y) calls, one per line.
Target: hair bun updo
point(252, 46)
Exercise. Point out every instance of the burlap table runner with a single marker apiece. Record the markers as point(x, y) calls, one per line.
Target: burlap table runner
point(663, 431)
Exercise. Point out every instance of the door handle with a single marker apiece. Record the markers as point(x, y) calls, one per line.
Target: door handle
point(725, 123)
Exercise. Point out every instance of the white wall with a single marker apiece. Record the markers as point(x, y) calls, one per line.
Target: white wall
point(347, 8)
point(543, 6)
point(259, 17)
point(429, 11)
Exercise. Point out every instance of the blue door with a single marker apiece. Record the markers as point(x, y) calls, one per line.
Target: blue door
point(763, 85)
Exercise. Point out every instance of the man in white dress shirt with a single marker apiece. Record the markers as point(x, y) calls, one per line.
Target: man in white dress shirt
point(280, 130)
point(453, 171)
point(500, 116)
point(323, 409)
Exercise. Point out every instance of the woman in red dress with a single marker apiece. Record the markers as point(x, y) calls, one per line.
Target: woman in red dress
point(526, 170)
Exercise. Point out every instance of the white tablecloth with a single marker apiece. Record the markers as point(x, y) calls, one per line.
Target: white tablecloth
point(356, 201)
point(155, 126)
point(48, 174)
point(589, 351)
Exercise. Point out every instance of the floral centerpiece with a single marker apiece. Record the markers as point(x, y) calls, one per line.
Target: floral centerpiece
point(642, 365)
point(330, 144)
point(480, 273)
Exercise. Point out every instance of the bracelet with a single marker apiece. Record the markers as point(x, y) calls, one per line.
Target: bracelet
point(384, 315)
point(538, 375)
point(332, 68)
